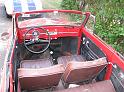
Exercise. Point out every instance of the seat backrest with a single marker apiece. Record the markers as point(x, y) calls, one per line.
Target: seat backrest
point(32, 79)
point(82, 71)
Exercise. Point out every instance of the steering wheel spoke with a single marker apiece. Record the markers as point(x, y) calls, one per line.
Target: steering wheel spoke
point(42, 40)
point(29, 43)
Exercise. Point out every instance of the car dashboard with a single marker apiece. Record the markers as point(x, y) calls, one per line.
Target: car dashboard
point(54, 32)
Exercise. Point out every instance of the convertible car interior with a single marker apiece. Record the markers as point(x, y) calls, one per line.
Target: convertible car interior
point(53, 54)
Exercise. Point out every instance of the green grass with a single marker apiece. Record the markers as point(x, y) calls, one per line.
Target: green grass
point(53, 4)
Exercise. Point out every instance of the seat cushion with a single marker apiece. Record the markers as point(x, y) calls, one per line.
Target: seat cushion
point(39, 63)
point(34, 79)
point(73, 58)
point(103, 86)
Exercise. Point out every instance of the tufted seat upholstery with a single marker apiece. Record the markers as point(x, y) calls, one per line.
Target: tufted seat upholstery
point(103, 86)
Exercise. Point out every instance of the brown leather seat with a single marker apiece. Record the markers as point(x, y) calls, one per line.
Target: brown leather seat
point(32, 79)
point(81, 71)
point(73, 58)
point(39, 63)
point(103, 86)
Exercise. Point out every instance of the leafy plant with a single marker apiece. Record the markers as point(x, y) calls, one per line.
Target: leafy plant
point(69, 4)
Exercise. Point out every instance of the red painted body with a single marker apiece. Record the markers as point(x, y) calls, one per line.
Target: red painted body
point(64, 31)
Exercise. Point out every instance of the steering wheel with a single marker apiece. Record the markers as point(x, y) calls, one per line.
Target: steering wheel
point(37, 40)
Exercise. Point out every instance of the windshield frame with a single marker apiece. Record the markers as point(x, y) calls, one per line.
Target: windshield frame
point(50, 11)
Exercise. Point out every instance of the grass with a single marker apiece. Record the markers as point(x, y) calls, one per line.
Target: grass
point(53, 4)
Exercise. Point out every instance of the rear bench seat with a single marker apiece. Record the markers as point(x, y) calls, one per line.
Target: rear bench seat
point(103, 86)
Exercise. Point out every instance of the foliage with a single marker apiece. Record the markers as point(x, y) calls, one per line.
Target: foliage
point(69, 4)
point(109, 19)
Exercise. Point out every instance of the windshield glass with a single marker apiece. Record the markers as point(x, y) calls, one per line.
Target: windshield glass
point(49, 18)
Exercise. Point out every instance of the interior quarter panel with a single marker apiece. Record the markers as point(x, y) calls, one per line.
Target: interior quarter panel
point(117, 78)
point(90, 50)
